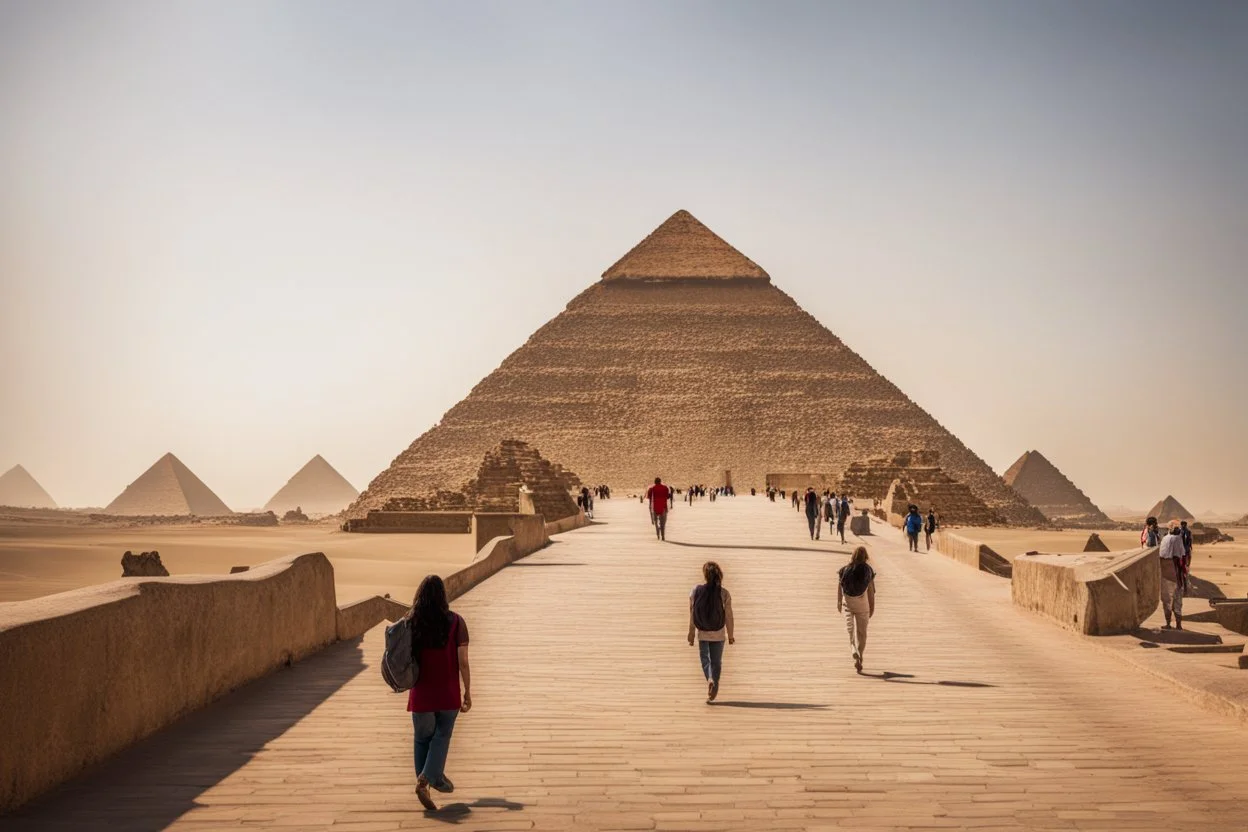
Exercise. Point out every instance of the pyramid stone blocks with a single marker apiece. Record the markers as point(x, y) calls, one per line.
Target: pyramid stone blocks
point(20, 490)
point(168, 489)
point(680, 362)
point(1048, 489)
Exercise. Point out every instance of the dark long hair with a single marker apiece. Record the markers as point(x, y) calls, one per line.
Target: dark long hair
point(710, 601)
point(430, 614)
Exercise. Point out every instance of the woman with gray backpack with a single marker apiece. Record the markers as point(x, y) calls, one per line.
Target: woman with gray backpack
point(439, 659)
point(855, 596)
point(710, 618)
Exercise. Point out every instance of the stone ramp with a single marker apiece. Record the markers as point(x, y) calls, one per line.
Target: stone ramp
point(590, 714)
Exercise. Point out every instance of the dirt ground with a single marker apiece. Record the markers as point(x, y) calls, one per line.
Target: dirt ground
point(1223, 564)
point(40, 559)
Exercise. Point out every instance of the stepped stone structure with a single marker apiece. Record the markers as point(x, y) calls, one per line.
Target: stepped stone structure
point(317, 488)
point(1048, 489)
point(20, 490)
point(168, 489)
point(1170, 509)
point(684, 361)
point(918, 480)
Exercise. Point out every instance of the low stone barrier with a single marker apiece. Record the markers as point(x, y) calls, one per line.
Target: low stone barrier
point(528, 535)
point(88, 672)
point(971, 553)
point(1092, 593)
point(357, 618)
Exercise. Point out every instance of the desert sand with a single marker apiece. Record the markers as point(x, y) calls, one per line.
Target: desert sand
point(1223, 564)
point(39, 559)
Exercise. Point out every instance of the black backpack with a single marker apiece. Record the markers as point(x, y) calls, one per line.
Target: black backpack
point(708, 609)
point(855, 579)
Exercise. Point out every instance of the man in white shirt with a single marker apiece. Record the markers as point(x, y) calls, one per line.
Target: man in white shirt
point(1172, 574)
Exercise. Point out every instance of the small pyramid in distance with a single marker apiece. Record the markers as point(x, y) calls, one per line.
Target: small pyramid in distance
point(20, 490)
point(1170, 509)
point(168, 489)
point(317, 488)
point(679, 362)
point(683, 248)
point(1048, 489)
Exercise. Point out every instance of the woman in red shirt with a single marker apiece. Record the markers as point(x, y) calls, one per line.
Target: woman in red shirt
point(440, 645)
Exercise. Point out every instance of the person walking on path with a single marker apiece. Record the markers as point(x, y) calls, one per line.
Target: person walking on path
point(855, 597)
point(930, 527)
point(1172, 575)
point(660, 497)
point(842, 515)
point(913, 525)
point(440, 650)
point(829, 510)
point(710, 619)
point(812, 512)
point(1187, 557)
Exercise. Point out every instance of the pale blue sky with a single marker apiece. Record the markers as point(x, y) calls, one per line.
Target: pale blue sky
point(249, 232)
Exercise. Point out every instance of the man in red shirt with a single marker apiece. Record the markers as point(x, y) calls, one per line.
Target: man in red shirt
point(659, 496)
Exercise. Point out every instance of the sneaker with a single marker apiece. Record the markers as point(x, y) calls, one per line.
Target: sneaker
point(422, 794)
point(446, 786)
point(858, 664)
point(712, 690)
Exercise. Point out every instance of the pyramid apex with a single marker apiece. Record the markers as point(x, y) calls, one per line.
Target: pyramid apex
point(683, 248)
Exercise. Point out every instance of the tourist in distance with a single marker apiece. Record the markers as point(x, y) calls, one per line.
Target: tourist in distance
point(842, 514)
point(930, 527)
point(1187, 556)
point(913, 525)
point(829, 509)
point(660, 497)
point(710, 619)
point(1151, 535)
point(1172, 575)
point(811, 501)
point(440, 648)
point(855, 597)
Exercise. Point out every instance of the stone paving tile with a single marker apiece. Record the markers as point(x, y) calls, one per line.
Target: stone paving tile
point(590, 714)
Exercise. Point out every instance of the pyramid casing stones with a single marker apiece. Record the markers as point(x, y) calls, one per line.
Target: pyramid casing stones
point(683, 361)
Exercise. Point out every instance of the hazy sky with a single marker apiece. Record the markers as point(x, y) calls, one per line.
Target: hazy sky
point(250, 232)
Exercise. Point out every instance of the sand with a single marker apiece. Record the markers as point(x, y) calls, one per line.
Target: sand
point(40, 559)
point(1223, 564)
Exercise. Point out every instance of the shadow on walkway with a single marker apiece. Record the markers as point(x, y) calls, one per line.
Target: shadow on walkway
point(908, 679)
point(759, 548)
point(772, 706)
point(460, 812)
point(153, 783)
point(544, 563)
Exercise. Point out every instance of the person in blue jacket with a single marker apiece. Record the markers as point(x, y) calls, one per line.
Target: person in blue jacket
point(914, 525)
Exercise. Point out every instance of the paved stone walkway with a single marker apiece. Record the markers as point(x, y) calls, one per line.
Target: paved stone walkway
point(590, 713)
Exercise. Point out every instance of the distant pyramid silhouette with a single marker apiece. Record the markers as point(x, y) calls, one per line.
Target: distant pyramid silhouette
point(684, 361)
point(168, 488)
point(1170, 509)
point(19, 489)
point(317, 488)
point(1048, 489)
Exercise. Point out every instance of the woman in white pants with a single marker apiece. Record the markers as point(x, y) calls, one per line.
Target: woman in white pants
point(855, 597)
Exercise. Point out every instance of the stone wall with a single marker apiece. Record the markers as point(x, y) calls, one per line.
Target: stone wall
point(1093, 594)
point(971, 553)
point(91, 671)
point(800, 482)
point(413, 522)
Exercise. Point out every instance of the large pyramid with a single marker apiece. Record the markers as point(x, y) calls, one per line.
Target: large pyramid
point(168, 489)
point(684, 361)
point(1048, 489)
point(1170, 509)
point(317, 488)
point(19, 489)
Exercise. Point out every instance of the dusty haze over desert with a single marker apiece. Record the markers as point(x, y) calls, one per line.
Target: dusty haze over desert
point(248, 236)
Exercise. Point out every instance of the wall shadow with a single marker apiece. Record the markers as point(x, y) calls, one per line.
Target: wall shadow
point(542, 563)
point(156, 781)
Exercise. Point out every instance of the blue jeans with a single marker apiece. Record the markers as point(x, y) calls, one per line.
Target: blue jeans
point(433, 741)
point(712, 654)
